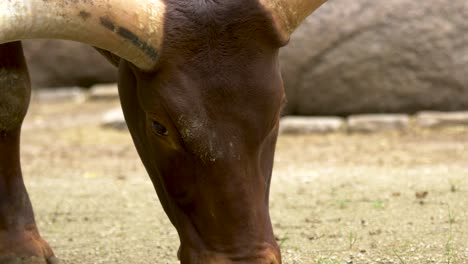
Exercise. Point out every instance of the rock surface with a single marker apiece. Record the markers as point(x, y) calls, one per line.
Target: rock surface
point(61, 94)
point(429, 119)
point(370, 56)
point(307, 125)
point(114, 118)
point(377, 122)
point(58, 63)
point(104, 92)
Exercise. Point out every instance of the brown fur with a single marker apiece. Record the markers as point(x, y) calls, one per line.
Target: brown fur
point(217, 89)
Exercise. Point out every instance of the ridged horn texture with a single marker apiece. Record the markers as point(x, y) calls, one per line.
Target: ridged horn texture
point(131, 29)
point(289, 14)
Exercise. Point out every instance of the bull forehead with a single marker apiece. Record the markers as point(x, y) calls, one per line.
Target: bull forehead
point(218, 56)
point(197, 26)
point(204, 111)
point(216, 122)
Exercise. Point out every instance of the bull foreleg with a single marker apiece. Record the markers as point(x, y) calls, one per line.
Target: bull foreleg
point(20, 241)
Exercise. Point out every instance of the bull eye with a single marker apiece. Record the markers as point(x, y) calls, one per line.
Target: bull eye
point(159, 129)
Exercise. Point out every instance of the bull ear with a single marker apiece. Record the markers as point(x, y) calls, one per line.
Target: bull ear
point(288, 14)
point(131, 29)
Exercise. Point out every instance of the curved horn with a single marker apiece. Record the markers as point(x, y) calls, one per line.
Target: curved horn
point(131, 29)
point(289, 14)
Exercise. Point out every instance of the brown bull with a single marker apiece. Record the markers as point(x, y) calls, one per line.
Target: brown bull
point(201, 91)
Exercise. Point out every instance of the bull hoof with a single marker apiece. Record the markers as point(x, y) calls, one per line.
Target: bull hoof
point(29, 260)
point(25, 247)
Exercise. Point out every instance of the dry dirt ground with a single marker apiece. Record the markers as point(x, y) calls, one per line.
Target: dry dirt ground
point(338, 198)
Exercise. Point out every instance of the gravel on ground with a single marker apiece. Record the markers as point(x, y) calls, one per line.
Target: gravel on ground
point(389, 197)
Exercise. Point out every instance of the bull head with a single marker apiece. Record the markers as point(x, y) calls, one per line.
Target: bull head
point(201, 91)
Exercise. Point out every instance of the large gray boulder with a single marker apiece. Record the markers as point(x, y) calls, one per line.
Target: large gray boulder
point(55, 63)
point(350, 56)
point(358, 56)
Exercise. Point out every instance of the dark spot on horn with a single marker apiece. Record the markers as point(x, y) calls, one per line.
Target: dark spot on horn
point(128, 35)
point(107, 23)
point(84, 15)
